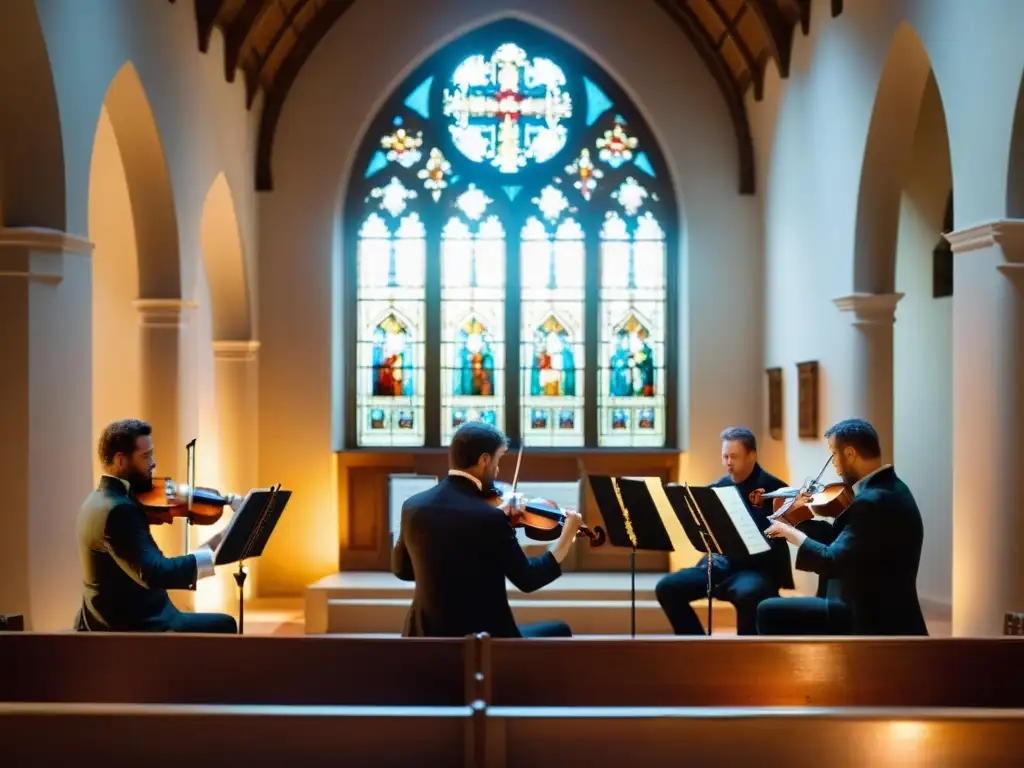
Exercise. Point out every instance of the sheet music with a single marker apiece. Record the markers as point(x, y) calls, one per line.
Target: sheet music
point(400, 487)
point(661, 502)
point(752, 538)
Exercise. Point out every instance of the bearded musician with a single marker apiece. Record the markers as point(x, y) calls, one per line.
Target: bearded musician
point(125, 576)
point(870, 556)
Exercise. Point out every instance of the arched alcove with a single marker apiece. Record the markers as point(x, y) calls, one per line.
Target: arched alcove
point(136, 346)
point(32, 180)
point(903, 208)
point(508, 175)
point(224, 262)
point(149, 185)
point(894, 120)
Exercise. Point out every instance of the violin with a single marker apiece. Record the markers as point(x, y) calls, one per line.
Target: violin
point(541, 519)
point(168, 499)
point(795, 505)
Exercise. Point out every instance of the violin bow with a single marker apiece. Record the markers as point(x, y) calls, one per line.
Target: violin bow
point(190, 473)
point(815, 483)
point(519, 460)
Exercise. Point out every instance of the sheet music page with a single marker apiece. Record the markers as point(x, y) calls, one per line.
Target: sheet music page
point(731, 500)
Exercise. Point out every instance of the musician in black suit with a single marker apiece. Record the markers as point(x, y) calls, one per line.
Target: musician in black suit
point(459, 549)
point(125, 575)
point(870, 555)
point(743, 582)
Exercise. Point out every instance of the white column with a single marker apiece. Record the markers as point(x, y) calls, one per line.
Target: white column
point(162, 325)
point(236, 375)
point(45, 419)
point(988, 425)
point(872, 316)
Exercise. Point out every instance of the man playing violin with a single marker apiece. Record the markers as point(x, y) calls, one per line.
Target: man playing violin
point(125, 575)
point(870, 555)
point(459, 548)
point(744, 583)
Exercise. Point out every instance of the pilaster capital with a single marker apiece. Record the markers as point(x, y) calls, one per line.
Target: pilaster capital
point(240, 351)
point(163, 313)
point(870, 308)
point(37, 254)
point(1008, 234)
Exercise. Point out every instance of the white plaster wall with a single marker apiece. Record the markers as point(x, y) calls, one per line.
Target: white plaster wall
point(321, 127)
point(810, 134)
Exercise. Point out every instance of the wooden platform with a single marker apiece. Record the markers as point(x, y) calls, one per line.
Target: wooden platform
point(375, 603)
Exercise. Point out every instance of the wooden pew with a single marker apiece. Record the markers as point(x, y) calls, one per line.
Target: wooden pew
point(837, 738)
point(154, 735)
point(219, 735)
point(754, 672)
point(218, 669)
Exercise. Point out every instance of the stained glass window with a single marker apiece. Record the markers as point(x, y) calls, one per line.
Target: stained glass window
point(472, 314)
point(633, 323)
point(552, 333)
point(513, 231)
point(391, 312)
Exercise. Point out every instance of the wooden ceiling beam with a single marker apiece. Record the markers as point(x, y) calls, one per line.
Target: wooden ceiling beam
point(276, 95)
point(207, 12)
point(756, 75)
point(700, 38)
point(237, 35)
point(254, 76)
point(779, 31)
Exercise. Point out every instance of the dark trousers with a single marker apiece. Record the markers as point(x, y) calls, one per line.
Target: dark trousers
point(745, 589)
point(546, 629)
point(803, 616)
point(207, 623)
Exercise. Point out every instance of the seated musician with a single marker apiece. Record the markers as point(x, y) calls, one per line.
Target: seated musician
point(744, 583)
point(870, 556)
point(125, 575)
point(459, 549)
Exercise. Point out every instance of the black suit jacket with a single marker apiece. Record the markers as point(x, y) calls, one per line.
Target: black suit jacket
point(125, 576)
point(871, 558)
point(776, 564)
point(459, 550)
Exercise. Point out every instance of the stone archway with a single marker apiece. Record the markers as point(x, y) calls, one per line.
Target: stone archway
point(138, 317)
point(905, 190)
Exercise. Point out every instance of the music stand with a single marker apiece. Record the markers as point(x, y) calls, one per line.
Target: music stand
point(633, 521)
point(717, 521)
point(248, 532)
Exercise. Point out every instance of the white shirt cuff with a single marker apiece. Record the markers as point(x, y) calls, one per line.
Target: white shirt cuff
point(204, 563)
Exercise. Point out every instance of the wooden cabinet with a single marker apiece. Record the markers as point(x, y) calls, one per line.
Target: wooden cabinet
point(363, 498)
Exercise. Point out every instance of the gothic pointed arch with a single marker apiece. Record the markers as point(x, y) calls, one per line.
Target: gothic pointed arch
point(512, 203)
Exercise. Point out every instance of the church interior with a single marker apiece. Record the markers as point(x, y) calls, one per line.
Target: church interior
point(307, 240)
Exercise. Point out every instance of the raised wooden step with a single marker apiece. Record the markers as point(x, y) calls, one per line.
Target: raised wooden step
point(374, 602)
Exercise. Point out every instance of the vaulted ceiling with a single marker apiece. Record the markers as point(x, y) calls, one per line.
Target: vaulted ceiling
point(268, 41)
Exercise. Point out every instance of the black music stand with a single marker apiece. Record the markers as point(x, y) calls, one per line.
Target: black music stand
point(248, 532)
point(618, 497)
point(716, 521)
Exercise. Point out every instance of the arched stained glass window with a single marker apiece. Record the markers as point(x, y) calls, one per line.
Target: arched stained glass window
point(515, 233)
